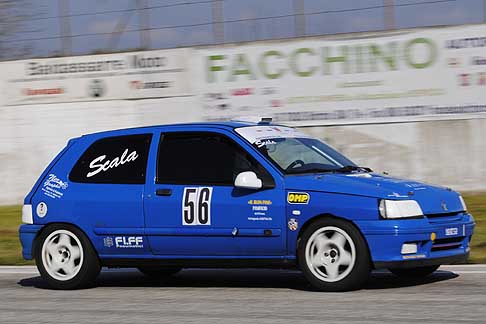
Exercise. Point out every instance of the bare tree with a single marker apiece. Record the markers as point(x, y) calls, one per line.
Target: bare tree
point(14, 21)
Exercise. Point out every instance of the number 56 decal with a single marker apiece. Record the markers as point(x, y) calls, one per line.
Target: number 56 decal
point(196, 206)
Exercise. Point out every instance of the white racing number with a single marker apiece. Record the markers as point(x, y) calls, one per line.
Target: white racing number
point(196, 206)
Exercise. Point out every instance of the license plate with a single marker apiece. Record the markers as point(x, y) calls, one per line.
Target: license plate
point(451, 231)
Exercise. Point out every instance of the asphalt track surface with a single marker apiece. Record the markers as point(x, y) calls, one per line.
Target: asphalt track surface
point(454, 294)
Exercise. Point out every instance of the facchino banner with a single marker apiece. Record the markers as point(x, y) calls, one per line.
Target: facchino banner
point(134, 75)
point(426, 74)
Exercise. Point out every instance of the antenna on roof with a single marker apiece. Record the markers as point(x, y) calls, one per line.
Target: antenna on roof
point(253, 119)
point(265, 121)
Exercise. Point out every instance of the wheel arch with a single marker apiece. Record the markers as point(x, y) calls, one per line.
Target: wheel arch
point(48, 225)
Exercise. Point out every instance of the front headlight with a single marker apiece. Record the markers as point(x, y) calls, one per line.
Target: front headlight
point(391, 209)
point(463, 203)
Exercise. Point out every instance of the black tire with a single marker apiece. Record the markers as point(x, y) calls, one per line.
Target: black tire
point(358, 272)
point(157, 272)
point(88, 269)
point(418, 272)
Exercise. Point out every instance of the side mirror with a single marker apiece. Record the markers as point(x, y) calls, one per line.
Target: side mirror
point(248, 180)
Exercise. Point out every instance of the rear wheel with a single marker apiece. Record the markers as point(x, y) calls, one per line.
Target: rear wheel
point(417, 272)
point(65, 258)
point(334, 256)
point(159, 272)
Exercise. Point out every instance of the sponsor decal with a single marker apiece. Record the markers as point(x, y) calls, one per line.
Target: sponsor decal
point(42, 92)
point(108, 241)
point(140, 85)
point(478, 60)
point(260, 143)
point(101, 166)
point(96, 88)
point(259, 208)
point(293, 224)
point(196, 206)
point(259, 202)
point(53, 187)
point(470, 42)
point(260, 218)
point(127, 242)
point(242, 92)
point(41, 209)
point(298, 198)
point(296, 212)
point(137, 61)
point(414, 256)
point(451, 231)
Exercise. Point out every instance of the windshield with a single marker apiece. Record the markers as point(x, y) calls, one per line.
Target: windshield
point(294, 152)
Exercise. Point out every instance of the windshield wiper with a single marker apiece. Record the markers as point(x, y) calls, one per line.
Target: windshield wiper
point(314, 170)
point(350, 168)
point(344, 169)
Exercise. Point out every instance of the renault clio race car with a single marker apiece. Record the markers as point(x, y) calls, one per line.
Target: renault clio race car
point(232, 194)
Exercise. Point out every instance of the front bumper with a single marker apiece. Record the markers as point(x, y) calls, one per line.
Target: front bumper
point(27, 235)
point(451, 243)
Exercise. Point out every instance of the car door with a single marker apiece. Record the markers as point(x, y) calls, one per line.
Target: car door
point(193, 208)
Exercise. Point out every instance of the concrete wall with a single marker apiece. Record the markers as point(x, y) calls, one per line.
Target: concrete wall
point(31, 135)
point(451, 153)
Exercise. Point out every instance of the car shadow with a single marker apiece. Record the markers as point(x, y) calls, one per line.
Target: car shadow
point(239, 278)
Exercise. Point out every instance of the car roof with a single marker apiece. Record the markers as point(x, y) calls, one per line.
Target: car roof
point(230, 125)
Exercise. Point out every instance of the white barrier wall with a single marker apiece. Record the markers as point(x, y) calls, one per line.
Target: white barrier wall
point(31, 135)
point(422, 90)
point(450, 153)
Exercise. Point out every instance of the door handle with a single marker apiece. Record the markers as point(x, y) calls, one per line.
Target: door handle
point(163, 192)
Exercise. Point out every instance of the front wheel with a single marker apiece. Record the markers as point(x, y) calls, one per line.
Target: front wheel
point(334, 256)
point(417, 272)
point(65, 258)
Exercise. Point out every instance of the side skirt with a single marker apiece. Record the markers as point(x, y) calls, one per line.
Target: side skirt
point(201, 263)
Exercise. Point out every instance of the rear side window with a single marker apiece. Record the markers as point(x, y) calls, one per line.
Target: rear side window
point(119, 160)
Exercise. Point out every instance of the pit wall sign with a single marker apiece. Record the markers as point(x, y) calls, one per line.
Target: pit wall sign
point(133, 75)
point(428, 74)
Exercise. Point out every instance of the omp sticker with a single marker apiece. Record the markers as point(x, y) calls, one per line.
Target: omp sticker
point(41, 209)
point(53, 187)
point(298, 198)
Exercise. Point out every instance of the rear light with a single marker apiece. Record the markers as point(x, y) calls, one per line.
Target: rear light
point(27, 214)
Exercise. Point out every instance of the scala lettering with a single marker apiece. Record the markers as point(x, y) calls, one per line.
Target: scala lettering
point(101, 166)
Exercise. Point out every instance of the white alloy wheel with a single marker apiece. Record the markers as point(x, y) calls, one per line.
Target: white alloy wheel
point(330, 254)
point(62, 255)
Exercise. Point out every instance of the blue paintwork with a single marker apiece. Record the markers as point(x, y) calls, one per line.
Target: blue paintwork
point(107, 211)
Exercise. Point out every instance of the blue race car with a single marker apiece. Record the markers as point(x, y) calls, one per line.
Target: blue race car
point(232, 194)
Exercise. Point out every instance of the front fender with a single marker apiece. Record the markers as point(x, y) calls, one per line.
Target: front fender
point(352, 208)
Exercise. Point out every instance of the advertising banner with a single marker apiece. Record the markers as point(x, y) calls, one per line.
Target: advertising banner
point(133, 75)
point(402, 76)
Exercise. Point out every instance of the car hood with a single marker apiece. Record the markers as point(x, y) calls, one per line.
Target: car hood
point(432, 199)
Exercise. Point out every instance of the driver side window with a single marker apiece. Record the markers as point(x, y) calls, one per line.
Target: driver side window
point(203, 158)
